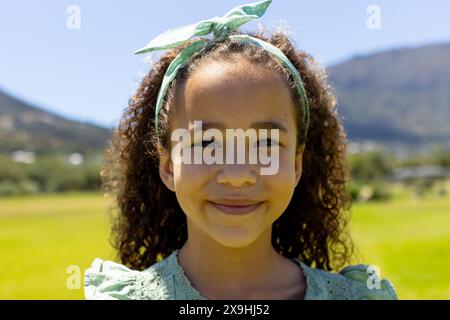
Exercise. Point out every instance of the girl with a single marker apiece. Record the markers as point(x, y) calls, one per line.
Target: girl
point(224, 230)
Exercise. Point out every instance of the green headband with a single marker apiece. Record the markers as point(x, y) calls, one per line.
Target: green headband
point(220, 27)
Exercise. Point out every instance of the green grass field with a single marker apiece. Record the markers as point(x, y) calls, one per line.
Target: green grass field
point(40, 237)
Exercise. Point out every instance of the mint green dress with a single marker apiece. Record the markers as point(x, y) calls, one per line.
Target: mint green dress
point(166, 280)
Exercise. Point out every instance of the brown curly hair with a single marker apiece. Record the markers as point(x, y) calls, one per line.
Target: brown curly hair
point(148, 221)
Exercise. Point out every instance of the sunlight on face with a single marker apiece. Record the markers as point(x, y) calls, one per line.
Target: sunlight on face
point(234, 204)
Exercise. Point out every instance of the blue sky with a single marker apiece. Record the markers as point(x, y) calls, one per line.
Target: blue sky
point(89, 73)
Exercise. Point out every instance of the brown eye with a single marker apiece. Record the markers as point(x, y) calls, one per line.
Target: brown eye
point(204, 143)
point(266, 143)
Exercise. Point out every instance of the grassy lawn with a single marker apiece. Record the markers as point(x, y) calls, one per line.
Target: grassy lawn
point(40, 237)
point(410, 242)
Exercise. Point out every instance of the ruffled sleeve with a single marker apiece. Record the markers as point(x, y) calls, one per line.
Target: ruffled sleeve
point(365, 284)
point(108, 280)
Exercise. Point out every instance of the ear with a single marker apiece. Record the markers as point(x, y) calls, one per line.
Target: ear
point(166, 168)
point(299, 164)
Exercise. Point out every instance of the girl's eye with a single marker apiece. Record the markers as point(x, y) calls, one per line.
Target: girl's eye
point(267, 143)
point(204, 143)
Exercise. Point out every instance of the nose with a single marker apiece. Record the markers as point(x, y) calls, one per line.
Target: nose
point(236, 175)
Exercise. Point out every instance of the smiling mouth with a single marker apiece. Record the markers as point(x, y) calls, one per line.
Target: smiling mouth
point(234, 208)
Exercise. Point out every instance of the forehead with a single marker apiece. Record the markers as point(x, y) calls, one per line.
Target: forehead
point(235, 94)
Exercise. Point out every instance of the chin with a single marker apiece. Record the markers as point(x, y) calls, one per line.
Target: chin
point(234, 238)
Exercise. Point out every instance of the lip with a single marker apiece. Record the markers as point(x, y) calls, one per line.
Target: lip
point(236, 206)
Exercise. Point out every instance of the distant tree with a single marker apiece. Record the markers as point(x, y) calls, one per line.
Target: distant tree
point(370, 167)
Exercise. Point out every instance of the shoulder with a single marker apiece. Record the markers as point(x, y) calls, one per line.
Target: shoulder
point(356, 282)
point(106, 280)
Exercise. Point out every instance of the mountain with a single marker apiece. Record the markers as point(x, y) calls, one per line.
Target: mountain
point(27, 127)
point(400, 95)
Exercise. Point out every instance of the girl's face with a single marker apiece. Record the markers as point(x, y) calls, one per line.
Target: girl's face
point(214, 196)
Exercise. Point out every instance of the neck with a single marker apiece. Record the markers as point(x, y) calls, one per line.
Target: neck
point(220, 272)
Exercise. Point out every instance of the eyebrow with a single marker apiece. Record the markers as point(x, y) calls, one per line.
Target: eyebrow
point(255, 125)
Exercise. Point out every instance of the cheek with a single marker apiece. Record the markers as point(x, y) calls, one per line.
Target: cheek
point(285, 176)
point(190, 180)
point(282, 184)
point(191, 174)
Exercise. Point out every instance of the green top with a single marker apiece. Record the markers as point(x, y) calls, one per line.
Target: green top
point(166, 280)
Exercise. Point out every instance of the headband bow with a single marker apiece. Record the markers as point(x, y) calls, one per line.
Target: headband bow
point(220, 28)
point(232, 20)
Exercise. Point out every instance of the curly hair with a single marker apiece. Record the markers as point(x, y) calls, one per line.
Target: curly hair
point(148, 224)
